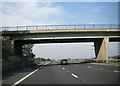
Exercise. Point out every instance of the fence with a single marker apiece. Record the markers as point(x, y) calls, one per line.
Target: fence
point(60, 27)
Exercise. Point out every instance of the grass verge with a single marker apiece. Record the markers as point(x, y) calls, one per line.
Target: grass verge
point(75, 61)
point(41, 62)
point(111, 63)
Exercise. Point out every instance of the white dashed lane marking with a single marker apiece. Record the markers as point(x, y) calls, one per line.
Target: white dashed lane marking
point(74, 75)
point(116, 71)
point(63, 68)
point(89, 67)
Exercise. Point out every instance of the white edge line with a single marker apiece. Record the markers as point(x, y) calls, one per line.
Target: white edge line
point(46, 63)
point(27, 76)
point(24, 77)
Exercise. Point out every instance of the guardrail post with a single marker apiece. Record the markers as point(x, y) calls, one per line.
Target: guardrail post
point(75, 27)
point(17, 28)
point(102, 26)
point(93, 26)
point(26, 27)
point(46, 27)
point(111, 26)
point(36, 27)
point(56, 27)
point(65, 26)
point(7, 28)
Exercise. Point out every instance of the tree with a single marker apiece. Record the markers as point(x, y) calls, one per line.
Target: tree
point(48, 59)
point(27, 51)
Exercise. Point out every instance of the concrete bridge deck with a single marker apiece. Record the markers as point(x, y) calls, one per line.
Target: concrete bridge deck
point(62, 34)
point(101, 36)
point(66, 30)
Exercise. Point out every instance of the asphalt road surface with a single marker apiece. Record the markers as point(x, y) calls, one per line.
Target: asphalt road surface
point(53, 73)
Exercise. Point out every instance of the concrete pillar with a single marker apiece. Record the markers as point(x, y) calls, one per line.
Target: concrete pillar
point(102, 49)
point(18, 48)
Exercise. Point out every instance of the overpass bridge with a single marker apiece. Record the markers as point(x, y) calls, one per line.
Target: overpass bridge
point(100, 34)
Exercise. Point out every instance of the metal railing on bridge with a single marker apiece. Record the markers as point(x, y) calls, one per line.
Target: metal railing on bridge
point(61, 27)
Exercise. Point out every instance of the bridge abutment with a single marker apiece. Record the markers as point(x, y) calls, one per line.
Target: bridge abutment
point(102, 49)
point(8, 45)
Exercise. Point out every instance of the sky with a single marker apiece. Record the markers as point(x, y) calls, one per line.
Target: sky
point(74, 51)
point(38, 13)
point(44, 13)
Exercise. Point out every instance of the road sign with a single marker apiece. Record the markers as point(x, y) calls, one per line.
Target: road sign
point(69, 58)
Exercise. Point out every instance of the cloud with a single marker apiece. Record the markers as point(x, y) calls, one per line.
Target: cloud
point(0, 13)
point(97, 9)
point(30, 13)
point(91, 23)
point(60, 0)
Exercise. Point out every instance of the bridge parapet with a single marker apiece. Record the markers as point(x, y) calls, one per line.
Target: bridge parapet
point(61, 27)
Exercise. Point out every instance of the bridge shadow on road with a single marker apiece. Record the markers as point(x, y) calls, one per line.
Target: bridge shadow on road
point(18, 71)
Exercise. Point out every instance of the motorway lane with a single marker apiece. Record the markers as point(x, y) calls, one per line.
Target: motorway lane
point(94, 74)
point(53, 73)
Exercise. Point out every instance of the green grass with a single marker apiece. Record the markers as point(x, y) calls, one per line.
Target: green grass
point(41, 62)
point(111, 63)
point(76, 61)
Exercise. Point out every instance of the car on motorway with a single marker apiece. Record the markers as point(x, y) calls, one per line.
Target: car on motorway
point(64, 62)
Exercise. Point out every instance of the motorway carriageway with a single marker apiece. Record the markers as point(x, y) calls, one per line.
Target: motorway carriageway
point(53, 73)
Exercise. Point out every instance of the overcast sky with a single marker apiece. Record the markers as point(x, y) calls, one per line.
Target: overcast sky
point(39, 13)
point(75, 51)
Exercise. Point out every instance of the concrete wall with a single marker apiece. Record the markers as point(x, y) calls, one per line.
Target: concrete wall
point(102, 49)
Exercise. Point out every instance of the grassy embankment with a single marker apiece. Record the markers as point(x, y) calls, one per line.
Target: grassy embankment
point(109, 63)
point(76, 61)
point(42, 62)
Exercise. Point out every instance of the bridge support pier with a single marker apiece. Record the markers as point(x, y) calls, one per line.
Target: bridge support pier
point(102, 49)
point(18, 48)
